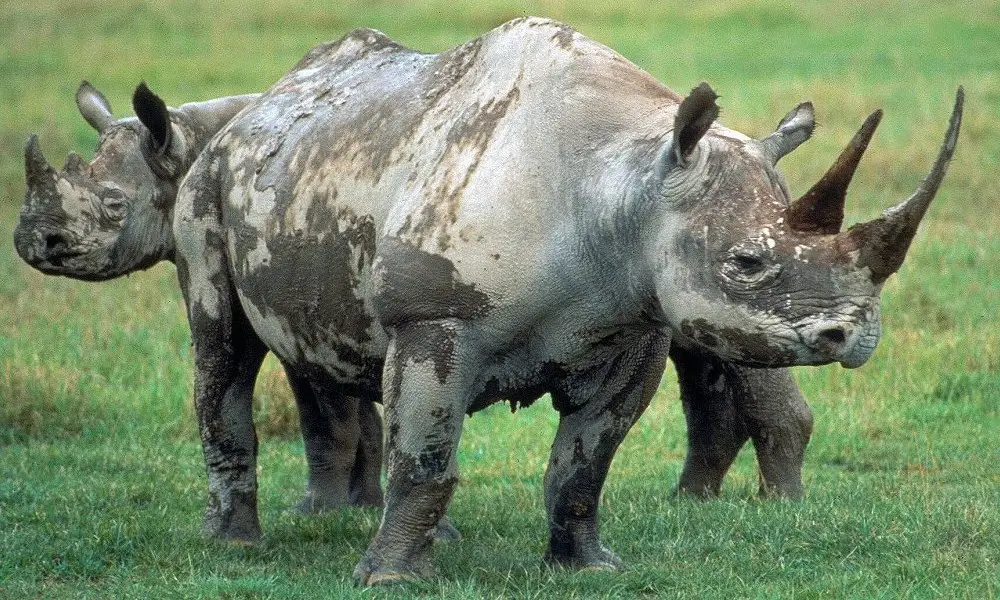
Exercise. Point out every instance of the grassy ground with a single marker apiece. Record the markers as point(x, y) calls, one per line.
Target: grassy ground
point(101, 478)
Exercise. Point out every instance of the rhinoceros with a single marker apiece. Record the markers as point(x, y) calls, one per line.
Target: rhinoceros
point(108, 218)
point(527, 213)
point(114, 215)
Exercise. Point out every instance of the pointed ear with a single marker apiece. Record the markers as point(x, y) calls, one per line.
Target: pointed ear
point(94, 107)
point(795, 128)
point(153, 113)
point(694, 116)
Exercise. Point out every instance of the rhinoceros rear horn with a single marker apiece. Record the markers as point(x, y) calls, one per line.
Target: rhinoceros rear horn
point(694, 116)
point(796, 127)
point(152, 112)
point(821, 209)
point(94, 107)
point(882, 243)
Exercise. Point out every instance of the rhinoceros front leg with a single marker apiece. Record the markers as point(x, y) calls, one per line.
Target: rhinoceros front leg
point(228, 356)
point(425, 388)
point(599, 409)
point(726, 404)
point(331, 432)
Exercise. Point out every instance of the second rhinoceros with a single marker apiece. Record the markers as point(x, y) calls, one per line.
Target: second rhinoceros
point(527, 213)
point(114, 215)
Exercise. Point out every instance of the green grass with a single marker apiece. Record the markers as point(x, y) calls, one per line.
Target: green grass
point(101, 478)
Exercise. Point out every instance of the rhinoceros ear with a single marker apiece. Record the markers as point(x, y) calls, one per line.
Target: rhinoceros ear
point(94, 107)
point(694, 116)
point(152, 112)
point(796, 127)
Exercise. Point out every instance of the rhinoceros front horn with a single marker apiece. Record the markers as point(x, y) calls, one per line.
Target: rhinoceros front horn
point(38, 172)
point(882, 243)
point(821, 209)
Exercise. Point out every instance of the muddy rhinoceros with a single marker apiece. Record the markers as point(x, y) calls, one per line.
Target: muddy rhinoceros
point(528, 213)
point(112, 216)
point(107, 218)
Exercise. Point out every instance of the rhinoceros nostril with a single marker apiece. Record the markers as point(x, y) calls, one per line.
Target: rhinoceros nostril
point(55, 243)
point(833, 335)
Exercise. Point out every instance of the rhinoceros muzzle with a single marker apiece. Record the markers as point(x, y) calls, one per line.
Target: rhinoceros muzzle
point(849, 343)
point(42, 238)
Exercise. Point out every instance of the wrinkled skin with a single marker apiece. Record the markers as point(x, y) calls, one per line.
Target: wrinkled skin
point(138, 186)
point(114, 215)
point(527, 213)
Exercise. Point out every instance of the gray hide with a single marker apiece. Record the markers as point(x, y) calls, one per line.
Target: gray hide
point(526, 213)
point(114, 215)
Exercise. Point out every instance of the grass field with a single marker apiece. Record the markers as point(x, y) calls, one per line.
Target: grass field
point(101, 477)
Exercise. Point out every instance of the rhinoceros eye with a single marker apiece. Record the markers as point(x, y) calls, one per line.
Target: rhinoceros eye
point(749, 266)
point(114, 205)
point(749, 263)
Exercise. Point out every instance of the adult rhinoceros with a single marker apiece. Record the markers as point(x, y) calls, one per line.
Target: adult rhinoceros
point(526, 213)
point(111, 217)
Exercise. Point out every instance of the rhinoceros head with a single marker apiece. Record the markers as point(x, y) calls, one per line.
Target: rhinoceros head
point(112, 216)
point(755, 277)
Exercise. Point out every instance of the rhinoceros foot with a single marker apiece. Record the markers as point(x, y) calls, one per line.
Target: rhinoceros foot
point(375, 569)
point(314, 503)
point(367, 499)
point(238, 524)
point(697, 491)
point(781, 491)
point(446, 531)
point(597, 558)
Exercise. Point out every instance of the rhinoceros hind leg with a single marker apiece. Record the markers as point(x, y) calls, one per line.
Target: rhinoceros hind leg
point(446, 531)
point(226, 367)
point(366, 476)
point(780, 424)
point(597, 409)
point(331, 434)
point(228, 354)
point(709, 389)
point(725, 404)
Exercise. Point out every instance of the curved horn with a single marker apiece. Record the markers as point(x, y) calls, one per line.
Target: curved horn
point(821, 209)
point(883, 242)
point(94, 107)
point(796, 127)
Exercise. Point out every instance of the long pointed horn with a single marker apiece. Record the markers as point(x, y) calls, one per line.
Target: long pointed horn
point(821, 209)
point(883, 242)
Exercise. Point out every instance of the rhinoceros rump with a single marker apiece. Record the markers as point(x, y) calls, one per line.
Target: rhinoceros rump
point(526, 213)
